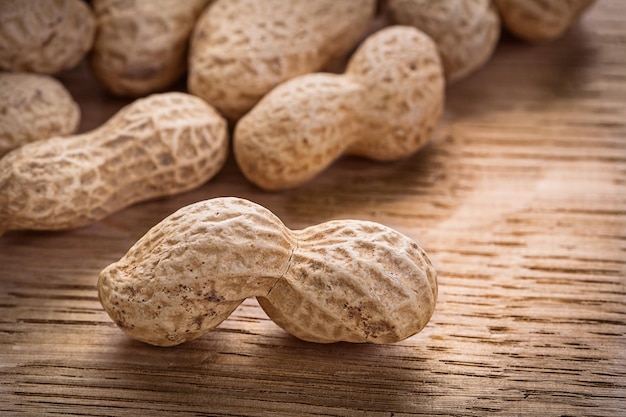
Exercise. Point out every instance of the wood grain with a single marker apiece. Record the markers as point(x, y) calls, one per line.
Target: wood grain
point(520, 200)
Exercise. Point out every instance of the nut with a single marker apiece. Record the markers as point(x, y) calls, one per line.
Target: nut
point(353, 281)
point(34, 107)
point(466, 31)
point(241, 49)
point(158, 146)
point(44, 36)
point(384, 107)
point(141, 45)
point(540, 20)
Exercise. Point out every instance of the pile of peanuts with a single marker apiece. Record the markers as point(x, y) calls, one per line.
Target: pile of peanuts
point(252, 66)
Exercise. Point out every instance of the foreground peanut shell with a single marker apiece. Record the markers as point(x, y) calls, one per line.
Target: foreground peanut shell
point(540, 20)
point(350, 280)
point(34, 107)
point(466, 31)
point(141, 45)
point(384, 107)
point(44, 36)
point(157, 146)
point(241, 49)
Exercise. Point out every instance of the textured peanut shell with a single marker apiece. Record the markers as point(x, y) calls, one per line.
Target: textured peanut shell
point(466, 31)
point(241, 49)
point(157, 146)
point(384, 107)
point(44, 36)
point(540, 20)
point(353, 281)
point(141, 45)
point(34, 107)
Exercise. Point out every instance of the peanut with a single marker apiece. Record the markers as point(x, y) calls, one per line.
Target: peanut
point(44, 36)
point(466, 32)
point(540, 20)
point(241, 49)
point(350, 280)
point(34, 107)
point(384, 107)
point(141, 45)
point(161, 145)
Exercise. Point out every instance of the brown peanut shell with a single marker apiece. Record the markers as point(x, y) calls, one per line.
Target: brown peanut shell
point(466, 31)
point(241, 49)
point(384, 107)
point(34, 107)
point(44, 36)
point(141, 46)
point(350, 280)
point(157, 146)
point(540, 20)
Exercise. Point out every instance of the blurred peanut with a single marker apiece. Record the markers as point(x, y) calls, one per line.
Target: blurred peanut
point(241, 49)
point(34, 107)
point(540, 20)
point(157, 146)
point(384, 107)
point(44, 36)
point(466, 31)
point(141, 45)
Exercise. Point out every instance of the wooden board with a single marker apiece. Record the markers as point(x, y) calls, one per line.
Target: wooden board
point(520, 200)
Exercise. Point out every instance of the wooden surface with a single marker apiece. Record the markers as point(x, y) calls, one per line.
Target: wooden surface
point(520, 200)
